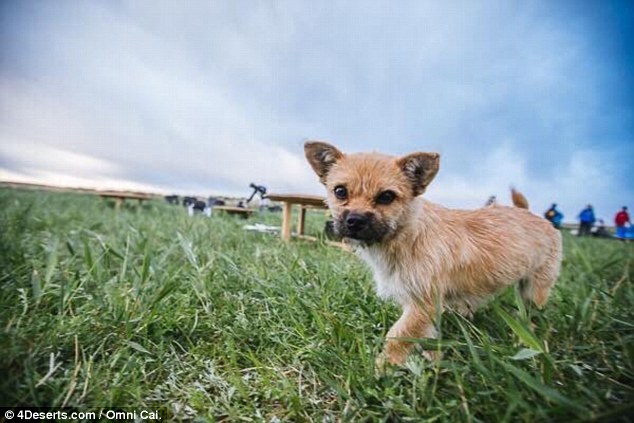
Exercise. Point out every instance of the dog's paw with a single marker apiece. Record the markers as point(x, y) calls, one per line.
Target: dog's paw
point(386, 365)
point(431, 355)
point(381, 364)
point(391, 359)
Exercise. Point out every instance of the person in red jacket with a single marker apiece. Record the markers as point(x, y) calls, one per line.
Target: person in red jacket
point(620, 220)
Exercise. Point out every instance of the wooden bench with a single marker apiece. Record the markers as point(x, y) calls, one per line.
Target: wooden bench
point(304, 201)
point(120, 196)
point(240, 211)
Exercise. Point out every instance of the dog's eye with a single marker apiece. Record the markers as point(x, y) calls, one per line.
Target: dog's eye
point(341, 192)
point(386, 197)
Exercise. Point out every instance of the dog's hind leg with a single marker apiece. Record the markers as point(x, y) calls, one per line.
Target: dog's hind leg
point(536, 287)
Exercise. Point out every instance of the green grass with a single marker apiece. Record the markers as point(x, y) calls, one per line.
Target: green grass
point(151, 309)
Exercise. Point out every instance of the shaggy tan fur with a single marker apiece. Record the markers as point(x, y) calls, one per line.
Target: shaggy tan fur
point(424, 255)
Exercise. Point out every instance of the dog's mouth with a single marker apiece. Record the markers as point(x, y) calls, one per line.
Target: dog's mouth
point(371, 231)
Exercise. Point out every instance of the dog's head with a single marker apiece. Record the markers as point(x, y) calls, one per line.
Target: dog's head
point(369, 193)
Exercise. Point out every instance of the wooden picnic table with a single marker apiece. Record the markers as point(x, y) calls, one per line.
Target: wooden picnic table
point(244, 212)
point(304, 201)
point(120, 196)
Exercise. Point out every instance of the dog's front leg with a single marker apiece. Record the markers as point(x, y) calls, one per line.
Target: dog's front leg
point(414, 323)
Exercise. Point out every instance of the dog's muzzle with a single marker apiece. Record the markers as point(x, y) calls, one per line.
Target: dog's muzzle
point(360, 226)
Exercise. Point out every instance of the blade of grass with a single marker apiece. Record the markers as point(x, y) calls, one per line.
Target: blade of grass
point(522, 332)
point(545, 391)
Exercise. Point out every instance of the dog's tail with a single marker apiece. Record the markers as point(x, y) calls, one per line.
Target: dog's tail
point(518, 199)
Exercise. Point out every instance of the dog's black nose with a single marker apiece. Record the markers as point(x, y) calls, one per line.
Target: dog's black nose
point(356, 222)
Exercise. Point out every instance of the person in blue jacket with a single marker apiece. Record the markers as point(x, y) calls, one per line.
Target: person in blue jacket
point(586, 221)
point(554, 216)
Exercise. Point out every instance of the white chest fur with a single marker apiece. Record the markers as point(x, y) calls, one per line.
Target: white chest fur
point(390, 282)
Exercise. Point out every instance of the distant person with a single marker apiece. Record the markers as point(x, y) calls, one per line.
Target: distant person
point(586, 221)
point(213, 201)
point(491, 201)
point(621, 220)
point(264, 204)
point(554, 216)
point(601, 231)
point(171, 199)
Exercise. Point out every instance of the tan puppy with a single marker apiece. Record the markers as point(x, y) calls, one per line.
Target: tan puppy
point(426, 256)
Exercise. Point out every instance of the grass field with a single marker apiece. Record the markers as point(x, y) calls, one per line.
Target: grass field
point(151, 309)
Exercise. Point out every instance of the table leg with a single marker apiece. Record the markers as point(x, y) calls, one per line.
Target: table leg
point(301, 220)
point(117, 203)
point(286, 221)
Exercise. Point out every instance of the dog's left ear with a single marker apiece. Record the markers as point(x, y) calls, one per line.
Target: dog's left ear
point(420, 169)
point(321, 157)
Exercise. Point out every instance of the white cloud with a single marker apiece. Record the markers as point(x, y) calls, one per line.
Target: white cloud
point(584, 172)
point(493, 175)
point(39, 156)
point(63, 179)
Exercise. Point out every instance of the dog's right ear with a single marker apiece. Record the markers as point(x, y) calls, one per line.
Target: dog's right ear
point(321, 157)
point(420, 169)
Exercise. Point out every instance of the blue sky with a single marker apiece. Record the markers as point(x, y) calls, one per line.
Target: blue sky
point(205, 97)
